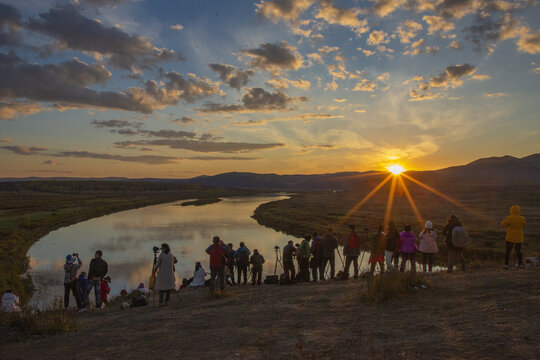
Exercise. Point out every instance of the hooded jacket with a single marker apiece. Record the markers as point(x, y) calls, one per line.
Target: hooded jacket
point(408, 242)
point(514, 225)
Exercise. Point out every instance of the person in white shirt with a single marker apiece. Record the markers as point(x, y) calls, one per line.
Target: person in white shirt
point(10, 302)
point(198, 276)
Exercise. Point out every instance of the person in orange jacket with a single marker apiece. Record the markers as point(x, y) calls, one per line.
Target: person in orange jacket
point(514, 234)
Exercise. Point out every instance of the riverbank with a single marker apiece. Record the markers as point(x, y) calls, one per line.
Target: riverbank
point(480, 314)
point(30, 210)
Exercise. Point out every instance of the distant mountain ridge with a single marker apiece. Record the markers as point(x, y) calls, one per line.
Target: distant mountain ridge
point(501, 171)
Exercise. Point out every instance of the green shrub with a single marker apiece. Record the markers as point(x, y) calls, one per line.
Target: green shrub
point(392, 285)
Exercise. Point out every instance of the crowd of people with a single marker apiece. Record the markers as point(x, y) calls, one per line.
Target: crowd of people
point(315, 258)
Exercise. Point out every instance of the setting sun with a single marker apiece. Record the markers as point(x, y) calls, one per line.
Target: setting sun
point(396, 169)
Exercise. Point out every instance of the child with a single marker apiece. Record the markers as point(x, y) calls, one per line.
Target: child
point(514, 235)
point(104, 290)
point(82, 284)
point(139, 297)
point(408, 248)
point(428, 246)
point(377, 251)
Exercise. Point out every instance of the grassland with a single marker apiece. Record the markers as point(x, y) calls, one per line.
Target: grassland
point(484, 207)
point(30, 210)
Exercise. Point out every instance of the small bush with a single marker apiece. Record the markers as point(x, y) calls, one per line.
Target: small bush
point(392, 285)
point(32, 321)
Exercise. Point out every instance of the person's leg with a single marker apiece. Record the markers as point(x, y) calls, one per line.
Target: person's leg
point(451, 258)
point(221, 274)
point(381, 266)
point(518, 253)
point(332, 261)
point(213, 275)
point(161, 293)
point(403, 262)
point(430, 261)
point(245, 274)
point(167, 296)
point(412, 258)
point(96, 293)
point(66, 295)
point(396, 259)
point(75, 290)
point(461, 252)
point(424, 261)
point(388, 259)
point(293, 271)
point(322, 267)
point(231, 271)
point(372, 270)
point(348, 260)
point(355, 264)
point(509, 246)
point(259, 276)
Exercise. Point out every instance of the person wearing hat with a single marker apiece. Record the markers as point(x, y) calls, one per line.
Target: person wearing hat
point(514, 235)
point(428, 246)
point(72, 265)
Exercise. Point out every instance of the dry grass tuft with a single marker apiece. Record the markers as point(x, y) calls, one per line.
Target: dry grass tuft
point(393, 285)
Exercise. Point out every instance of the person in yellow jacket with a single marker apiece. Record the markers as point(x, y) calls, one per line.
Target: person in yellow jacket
point(514, 234)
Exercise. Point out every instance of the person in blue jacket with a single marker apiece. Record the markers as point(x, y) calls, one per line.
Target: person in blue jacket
point(242, 261)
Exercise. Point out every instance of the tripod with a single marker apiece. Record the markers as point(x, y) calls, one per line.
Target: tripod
point(278, 260)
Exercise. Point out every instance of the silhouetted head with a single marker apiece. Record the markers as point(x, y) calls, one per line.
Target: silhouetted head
point(242, 244)
point(99, 253)
point(429, 225)
point(229, 245)
point(515, 210)
point(198, 265)
point(165, 248)
point(392, 227)
point(255, 252)
point(407, 228)
point(216, 239)
point(290, 242)
point(307, 237)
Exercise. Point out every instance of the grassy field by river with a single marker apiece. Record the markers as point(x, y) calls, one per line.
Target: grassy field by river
point(30, 210)
point(484, 207)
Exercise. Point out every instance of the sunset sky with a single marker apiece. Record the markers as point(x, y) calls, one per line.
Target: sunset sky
point(176, 89)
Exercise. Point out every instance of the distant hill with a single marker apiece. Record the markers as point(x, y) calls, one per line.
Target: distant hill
point(493, 171)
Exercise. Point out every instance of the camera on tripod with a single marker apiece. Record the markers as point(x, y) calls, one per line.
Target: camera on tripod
point(276, 248)
point(155, 249)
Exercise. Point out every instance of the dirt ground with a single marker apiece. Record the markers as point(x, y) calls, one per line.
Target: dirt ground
point(479, 314)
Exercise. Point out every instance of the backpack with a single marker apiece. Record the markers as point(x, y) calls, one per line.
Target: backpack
point(138, 298)
point(459, 236)
point(243, 258)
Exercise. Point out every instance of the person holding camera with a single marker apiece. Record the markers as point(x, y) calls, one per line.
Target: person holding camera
point(351, 250)
point(242, 261)
point(328, 255)
point(218, 260)
point(257, 260)
point(165, 282)
point(288, 262)
point(230, 261)
point(72, 265)
point(96, 272)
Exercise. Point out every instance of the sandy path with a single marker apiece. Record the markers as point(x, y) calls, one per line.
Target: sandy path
point(485, 314)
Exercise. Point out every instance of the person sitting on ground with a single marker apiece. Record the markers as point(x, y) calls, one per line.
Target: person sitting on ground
point(184, 284)
point(514, 234)
point(391, 251)
point(82, 285)
point(288, 262)
point(242, 261)
point(139, 296)
point(408, 248)
point(96, 272)
point(328, 253)
point(10, 302)
point(218, 260)
point(351, 251)
point(377, 251)
point(316, 256)
point(428, 246)
point(104, 290)
point(165, 280)
point(230, 261)
point(72, 265)
point(198, 278)
point(257, 260)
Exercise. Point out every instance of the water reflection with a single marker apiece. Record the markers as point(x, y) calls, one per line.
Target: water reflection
point(126, 239)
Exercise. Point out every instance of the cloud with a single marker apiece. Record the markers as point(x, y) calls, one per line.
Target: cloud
point(49, 162)
point(177, 27)
point(12, 109)
point(218, 158)
point(201, 146)
point(344, 17)
point(408, 30)
point(235, 78)
point(495, 95)
point(487, 31)
point(456, 45)
point(378, 37)
point(256, 99)
point(284, 83)
point(437, 23)
point(10, 24)
point(98, 3)
point(143, 159)
point(23, 150)
point(529, 42)
point(481, 77)
point(73, 30)
point(274, 57)
point(386, 7)
point(451, 77)
point(289, 10)
point(185, 120)
point(416, 48)
point(304, 117)
point(169, 134)
point(114, 123)
point(365, 85)
point(67, 83)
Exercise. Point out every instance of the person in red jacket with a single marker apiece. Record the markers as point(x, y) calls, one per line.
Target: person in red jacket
point(218, 260)
point(104, 290)
point(351, 250)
